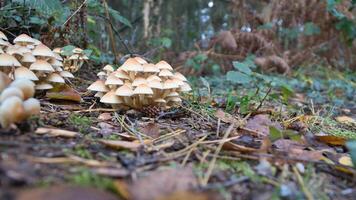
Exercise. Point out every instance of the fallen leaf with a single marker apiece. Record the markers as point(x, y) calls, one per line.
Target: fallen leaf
point(63, 92)
point(185, 195)
point(345, 120)
point(330, 139)
point(118, 144)
point(56, 132)
point(166, 183)
point(123, 189)
point(151, 129)
point(224, 117)
point(105, 128)
point(286, 145)
point(261, 124)
point(105, 117)
point(346, 160)
point(63, 192)
point(305, 154)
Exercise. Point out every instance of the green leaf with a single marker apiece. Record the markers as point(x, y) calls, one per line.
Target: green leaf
point(238, 77)
point(166, 42)
point(351, 145)
point(118, 17)
point(242, 67)
point(275, 134)
point(68, 50)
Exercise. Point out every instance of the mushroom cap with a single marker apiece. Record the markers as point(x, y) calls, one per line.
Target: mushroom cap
point(101, 73)
point(55, 78)
point(1, 51)
point(173, 94)
point(83, 57)
point(28, 58)
point(32, 106)
point(74, 57)
point(180, 76)
point(140, 60)
point(26, 86)
point(30, 46)
point(56, 63)
point(57, 56)
point(43, 50)
point(170, 84)
point(13, 51)
point(77, 50)
point(153, 77)
point(11, 92)
point(113, 80)
point(160, 100)
point(150, 68)
point(111, 98)
point(4, 81)
point(58, 69)
point(164, 65)
point(121, 74)
point(25, 73)
point(185, 87)
point(109, 68)
point(24, 50)
point(138, 81)
point(143, 89)
point(36, 42)
point(41, 65)
point(4, 43)
point(11, 111)
point(3, 36)
point(99, 94)
point(165, 73)
point(132, 65)
point(7, 60)
point(178, 81)
point(66, 74)
point(174, 99)
point(43, 86)
point(57, 50)
point(156, 84)
point(98, 86)
point(23, 38)
point(124, 91)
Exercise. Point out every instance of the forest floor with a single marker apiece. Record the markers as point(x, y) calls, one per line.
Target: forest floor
point(208, 148)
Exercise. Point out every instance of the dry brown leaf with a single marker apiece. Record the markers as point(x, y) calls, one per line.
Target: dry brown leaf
point(286, 145)
point(166, 183)
point(63, 92)
point(56, 132)
point(261, 124)
point(330, 139)
point(185, 196)
point(118, 144)
point(224, 117)
point(236, 147)
point(151, 129)
point(63, 192)
point(105, 117)
point(346, 160)
point(305, 155)
point(123, 189)
point(226, 40)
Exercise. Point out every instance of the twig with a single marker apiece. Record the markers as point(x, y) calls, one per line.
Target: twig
point(217, 151)
point(306, 191)
point(74, 13)
point(263, 99)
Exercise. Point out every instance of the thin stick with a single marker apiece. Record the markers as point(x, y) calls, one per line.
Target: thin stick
point(75, 12)
point(306, 191)
point(217, 151)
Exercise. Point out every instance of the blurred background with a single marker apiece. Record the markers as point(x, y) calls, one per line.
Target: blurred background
point(198, 37)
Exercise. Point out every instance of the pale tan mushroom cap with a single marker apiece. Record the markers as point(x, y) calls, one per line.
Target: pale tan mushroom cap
point(11, 92)
point(57, 56)
point(165, 73)
point(160, 100)
point(41, 65)
point(32, 106)
point(99, 94)
point(77, 50)
point(57, 50)
point(121, 74)
point(66, 74)
point(56, 63)
point(150, 68)
point(138, 81)
point(174, 99)
point(170, 84)
point(55, 78)
point(173, 94)
point(111, 98)
point(143, 89)
point(109, 68)
point(155, 84)
point(180, 76)
point(153, 77)
point(185, 87)
point(43, 50)
point(7, 60)
point(23, 38)
point(124, 91)
point(140, 60)
point(98, 86)
point(25, 73)
point(13, 109)
point(43, 86)
point(4, 43)
point(164, 65)
point(28, 58)
point(113, 80)
point(132, 65)
point(26, 86)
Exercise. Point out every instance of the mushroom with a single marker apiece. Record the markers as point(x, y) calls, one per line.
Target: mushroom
point(164, 65)
point(142, 91)
point(31, 107)
point(24, 40)
point(126, 92)
point(26, 86)
point(111, 98)
point(25, 73)
point(11, 92)
point(55, 78)
point(98, 86)
point(132, 66)
point(11, 111)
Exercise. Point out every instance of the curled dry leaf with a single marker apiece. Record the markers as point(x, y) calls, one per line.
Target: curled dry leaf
point(63, 92)
point(224, 117)
point(105, 117)
point(56, 132)
point(151, 129)
point(330, 139)
point(261, 124)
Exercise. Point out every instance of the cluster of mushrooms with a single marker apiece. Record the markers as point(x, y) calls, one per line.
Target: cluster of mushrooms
point(16, 102)
point(137, 84)
point(74, 61)
point(29, 59)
